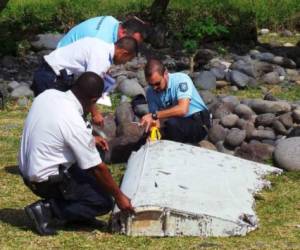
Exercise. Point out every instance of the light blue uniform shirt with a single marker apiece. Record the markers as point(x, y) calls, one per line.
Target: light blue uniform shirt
point(102, 27)
point(180, 86)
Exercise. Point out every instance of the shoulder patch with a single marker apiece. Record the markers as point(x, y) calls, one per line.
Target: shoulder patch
point(183, 86)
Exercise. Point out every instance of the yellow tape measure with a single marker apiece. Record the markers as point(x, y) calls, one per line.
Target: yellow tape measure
point(154, 134)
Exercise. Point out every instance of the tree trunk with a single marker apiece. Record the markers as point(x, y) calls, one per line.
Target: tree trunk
point(158, 9)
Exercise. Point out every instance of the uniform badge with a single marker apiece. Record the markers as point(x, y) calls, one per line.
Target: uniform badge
point(183, 86)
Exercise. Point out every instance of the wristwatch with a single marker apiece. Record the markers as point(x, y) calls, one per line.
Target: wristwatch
point(154, 116)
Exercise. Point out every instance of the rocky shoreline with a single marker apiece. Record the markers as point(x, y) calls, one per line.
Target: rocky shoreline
point(255, 129)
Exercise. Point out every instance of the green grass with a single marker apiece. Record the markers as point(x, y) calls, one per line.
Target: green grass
point(185, 18)
point(289, 93)
point(280, 40)
point(278, 209)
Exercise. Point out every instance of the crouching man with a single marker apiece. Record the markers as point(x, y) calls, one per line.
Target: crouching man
point(59, 161)
point(173, 97)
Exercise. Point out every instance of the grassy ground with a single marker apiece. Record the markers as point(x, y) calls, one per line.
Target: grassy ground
point(282, 92)
point(278, 210)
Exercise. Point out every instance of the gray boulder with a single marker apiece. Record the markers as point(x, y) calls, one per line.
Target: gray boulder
point(259, 152)
point(279, 127)
point(207, 96)
point(124, 113)
point(9, 62)
point(243, 111)
point(263, 106)
point(263, 134)
point(21, 91)
point(294, 132)
point(207, 145)
point(218, 73)
point(235, 137)
point(46, 41)
point(221, 109)
point(229, 121)
point(271, 78)
point(141, 109)
point(216, 133)
point(130, 87)
point(287, 154)
point(203, 56)
point(247, 68)
point(130, 129)
point(110, 127)
point(287, 120)
point(263, 68)
point(217, 63)
point(231, 100)
point(205, 80)
point(281, 71)
point(141, 78)
point(13, 85)
point(296, 115)
point(120, 148)
point(289, 63)
point(265, 119)
point(286, 33)
point(278, 60)
point(239, 79)
point(266, 56)
point(222, 84)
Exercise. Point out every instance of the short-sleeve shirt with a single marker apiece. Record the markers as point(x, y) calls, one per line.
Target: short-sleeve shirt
point(180, 86)
point(102, 27)
point(55, 133)
point(87, 54)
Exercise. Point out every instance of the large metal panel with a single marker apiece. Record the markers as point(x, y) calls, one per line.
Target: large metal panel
point(179, 189)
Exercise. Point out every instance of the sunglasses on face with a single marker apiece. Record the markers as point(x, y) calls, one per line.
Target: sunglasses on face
point(156, 84)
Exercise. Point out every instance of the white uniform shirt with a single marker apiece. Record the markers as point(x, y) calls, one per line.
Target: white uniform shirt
point(86, 54)
point(55, 133)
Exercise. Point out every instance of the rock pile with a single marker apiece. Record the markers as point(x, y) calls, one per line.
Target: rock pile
point(248, 128)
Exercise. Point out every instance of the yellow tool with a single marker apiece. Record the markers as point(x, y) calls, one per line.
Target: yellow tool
point(154, 134)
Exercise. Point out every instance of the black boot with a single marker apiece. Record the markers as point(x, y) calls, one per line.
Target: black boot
point(41, 215)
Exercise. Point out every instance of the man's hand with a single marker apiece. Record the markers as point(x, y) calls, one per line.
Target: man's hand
point(124, 203)
point(101, 142)
point(97, 118)
point(147, 121)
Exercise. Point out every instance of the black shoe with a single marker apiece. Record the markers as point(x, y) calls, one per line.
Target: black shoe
point(41, 216)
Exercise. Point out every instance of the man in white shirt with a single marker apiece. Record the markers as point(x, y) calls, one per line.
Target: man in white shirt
point(86, 54)
point(59, 161)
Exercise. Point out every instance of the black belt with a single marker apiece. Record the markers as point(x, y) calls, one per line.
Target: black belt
point(52, 179)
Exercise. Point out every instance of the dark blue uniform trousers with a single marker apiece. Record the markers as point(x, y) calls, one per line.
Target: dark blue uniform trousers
point(190, 129)
point(45, 78)
point(79, 198)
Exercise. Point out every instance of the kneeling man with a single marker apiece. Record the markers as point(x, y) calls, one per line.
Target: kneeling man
point(59, 161)
point(173, 96)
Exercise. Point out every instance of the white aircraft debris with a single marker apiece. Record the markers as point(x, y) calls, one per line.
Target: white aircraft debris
point(178, 189)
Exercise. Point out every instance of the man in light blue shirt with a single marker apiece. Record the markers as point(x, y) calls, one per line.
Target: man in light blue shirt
point(106, 28)
point(173, 96)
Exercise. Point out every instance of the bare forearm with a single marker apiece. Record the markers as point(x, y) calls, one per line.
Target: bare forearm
point(175, 111)
point(94, 110)
point(105, 179)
